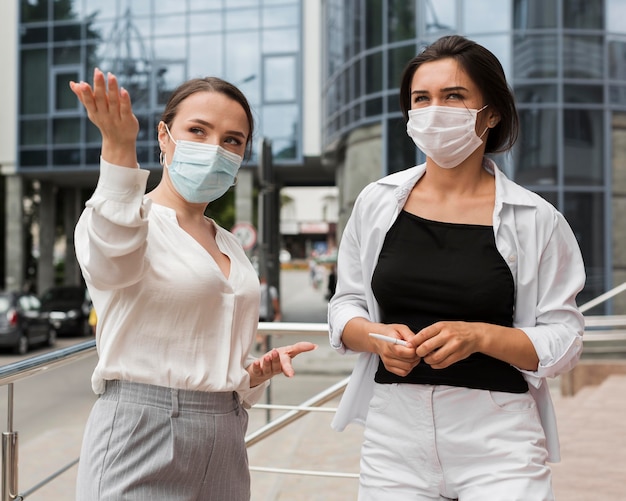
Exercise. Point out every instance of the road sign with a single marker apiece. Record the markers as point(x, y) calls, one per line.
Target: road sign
point(246, 234)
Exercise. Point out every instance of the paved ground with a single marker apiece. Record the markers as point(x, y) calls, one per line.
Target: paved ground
point(592, 427)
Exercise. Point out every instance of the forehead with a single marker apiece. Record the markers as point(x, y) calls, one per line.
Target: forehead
point(441, 74)
point(215, 108)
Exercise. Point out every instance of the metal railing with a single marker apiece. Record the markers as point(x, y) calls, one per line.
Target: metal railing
point(600, 328)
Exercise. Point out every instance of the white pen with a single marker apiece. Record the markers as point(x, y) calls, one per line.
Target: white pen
point(389, 339)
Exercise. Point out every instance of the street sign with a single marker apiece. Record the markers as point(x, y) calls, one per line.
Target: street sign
point(245, 233)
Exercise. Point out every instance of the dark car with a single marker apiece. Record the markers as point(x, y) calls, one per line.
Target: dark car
point(22, 323)
point(68, 307)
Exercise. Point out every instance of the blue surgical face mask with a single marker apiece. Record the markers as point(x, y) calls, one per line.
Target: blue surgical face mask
point(201, 173)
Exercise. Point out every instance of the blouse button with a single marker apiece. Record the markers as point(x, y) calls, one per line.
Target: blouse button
point(512, 258)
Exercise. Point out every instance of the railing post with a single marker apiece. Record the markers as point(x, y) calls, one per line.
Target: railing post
point(9, 453)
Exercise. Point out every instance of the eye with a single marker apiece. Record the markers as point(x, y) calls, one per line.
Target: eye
point(455, 96)
point(196, 131)
point(233, 140)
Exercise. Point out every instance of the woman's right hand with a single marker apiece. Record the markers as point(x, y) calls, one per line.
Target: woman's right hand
point(109, 108)
point(398, 359)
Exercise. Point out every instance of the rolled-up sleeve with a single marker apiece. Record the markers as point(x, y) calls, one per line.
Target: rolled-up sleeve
point(559, 325)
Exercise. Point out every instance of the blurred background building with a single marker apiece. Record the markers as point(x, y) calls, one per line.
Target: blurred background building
point(322, 77)
point(566, 61)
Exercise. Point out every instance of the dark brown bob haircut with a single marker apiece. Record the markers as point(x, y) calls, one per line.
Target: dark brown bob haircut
point(208, 84)
point(485, 71)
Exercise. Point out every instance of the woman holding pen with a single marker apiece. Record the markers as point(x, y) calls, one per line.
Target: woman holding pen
point(474, 279)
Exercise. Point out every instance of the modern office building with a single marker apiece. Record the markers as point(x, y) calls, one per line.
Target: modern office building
point(565, 60)
point(269, 48)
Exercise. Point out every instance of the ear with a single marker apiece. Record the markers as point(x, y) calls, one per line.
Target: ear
point(162, 135)
point(493, 120)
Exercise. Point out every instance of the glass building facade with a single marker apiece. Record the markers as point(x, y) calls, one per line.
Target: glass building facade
point(564, 59)
point(152, 46)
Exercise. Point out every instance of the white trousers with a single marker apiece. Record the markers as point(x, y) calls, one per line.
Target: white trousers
point(425, 442)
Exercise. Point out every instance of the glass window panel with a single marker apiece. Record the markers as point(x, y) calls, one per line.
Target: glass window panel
point(67, 32)
point(284, 149)
point(101, 31)
point(138, 7)
point(583, 147)
point(374, 73)
point(536, 93)
point(64, 98)
point(32, 35)
point(398, 59)
point(550, 196)
point(69, 54)
point(582, 57)
point(617, 59)
point(204, 4)
point(146, 132)
point(206, 22)
point(280, 120)
point(401, 20)
point(536, 56)
point(279, 79)
point(500, 46)
point(242, 19)
point(585, 14)
point(169, 25)
point(484, 16)
point(103, 9)
point(92, 156)
point(33, 132)
point(66, 156)
point(528, 14)
point(37, 158)
point(205, 55)
point(583, 93)
point(374, 107)
point(615, 15)
point(536, 151)
point(374, 17)
point(34, 10)
point(617, 94)
point(393, 104)
point(92, 132)
point(67, 10)
point(441, 16)
point(242, 3)
point(400, 148)
point(280, 40)
point(34, 82)
point(585, 214)
point(277, 17)
point(66, 130)
point(240, 64)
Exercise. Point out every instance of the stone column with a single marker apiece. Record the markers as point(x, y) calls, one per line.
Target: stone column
point(619, 209)
point(15, 251)
point(47, 232)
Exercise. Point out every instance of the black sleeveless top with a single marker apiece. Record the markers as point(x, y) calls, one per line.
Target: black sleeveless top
point(429, 271)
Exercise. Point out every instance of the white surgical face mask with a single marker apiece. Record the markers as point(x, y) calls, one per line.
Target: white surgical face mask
point(445, 134)
point(202, 173)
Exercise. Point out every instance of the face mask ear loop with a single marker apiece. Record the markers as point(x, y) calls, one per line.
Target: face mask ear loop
point(167, 129)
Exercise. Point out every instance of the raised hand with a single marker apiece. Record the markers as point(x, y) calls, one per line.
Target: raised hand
point(109, 108)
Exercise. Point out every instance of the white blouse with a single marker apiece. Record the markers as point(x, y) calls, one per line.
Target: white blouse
point(167, 315)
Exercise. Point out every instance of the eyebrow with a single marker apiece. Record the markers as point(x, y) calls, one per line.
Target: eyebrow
point(445, 89)
point(210, 125)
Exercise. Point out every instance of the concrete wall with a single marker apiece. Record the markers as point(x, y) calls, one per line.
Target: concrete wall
point(362, 164)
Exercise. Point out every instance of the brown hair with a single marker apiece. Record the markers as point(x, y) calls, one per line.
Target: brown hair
point(208, 84)
point(485, 71)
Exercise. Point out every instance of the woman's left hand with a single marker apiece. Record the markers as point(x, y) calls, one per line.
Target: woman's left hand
point(276, 361)
point(444, 343)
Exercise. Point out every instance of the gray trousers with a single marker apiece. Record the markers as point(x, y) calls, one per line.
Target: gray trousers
point(149, 443)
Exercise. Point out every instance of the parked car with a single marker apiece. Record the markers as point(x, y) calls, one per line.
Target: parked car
point(22, 323)
point(68, 307)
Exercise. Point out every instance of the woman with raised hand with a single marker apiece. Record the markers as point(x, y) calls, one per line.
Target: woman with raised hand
point(177, 302)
